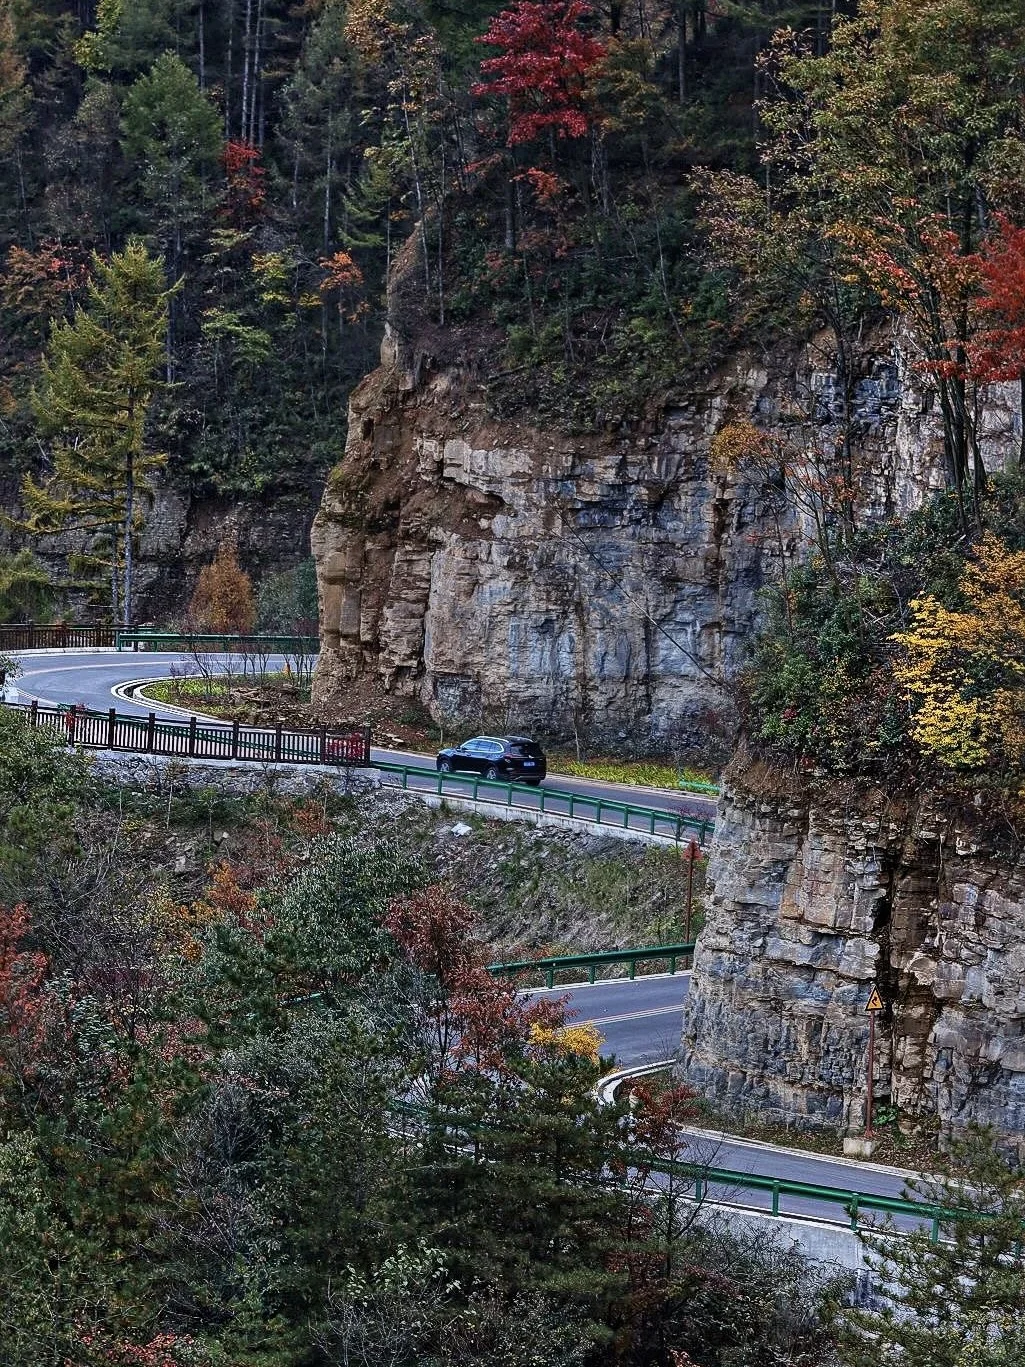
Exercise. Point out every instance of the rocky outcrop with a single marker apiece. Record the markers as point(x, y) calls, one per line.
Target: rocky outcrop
point(600, 584)
point(810, 902)
point(180, 533)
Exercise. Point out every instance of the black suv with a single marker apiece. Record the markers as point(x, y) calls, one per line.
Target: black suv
point(505, 757)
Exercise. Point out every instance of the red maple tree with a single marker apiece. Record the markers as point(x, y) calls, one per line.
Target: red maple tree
point(246, 189)
point(471, 1019)
point(999, 348)
point(543, 63)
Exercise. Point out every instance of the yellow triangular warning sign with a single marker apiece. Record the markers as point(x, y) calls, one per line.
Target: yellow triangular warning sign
point(875, 1002)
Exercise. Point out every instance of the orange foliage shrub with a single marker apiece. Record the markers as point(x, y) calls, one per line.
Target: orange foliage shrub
point(223, 601)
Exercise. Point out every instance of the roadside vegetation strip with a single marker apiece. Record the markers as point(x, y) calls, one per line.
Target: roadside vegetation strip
point(195, 740)
point(602, 811)
point(636, 773)
point(593, 963)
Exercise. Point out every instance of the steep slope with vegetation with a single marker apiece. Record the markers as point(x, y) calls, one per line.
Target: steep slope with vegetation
point(277, 159)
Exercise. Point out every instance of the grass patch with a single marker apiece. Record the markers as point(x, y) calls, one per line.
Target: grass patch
point(915, 1150)
point(646, 773)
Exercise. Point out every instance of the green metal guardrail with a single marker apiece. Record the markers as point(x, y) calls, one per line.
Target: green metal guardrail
point(674, 825)
point(254, 645)
point(853, 1203)
point(604, 958)
point(708, 1183)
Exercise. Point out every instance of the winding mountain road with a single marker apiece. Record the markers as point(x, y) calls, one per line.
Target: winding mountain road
point(640, 1020)
point(91, 678)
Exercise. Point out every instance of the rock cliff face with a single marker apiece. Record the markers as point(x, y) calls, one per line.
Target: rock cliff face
point(181, 534)
point(809, 903)
point(602, 585)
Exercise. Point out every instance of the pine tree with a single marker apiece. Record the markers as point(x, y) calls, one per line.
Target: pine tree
point(98, 382)
point(958, 1299)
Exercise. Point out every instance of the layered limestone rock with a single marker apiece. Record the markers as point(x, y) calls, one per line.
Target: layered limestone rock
point(179, 534)
point(810, 902)
point(520, 578)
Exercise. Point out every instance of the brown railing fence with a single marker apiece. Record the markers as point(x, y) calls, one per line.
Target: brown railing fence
point(61, 636)
point(149, 735)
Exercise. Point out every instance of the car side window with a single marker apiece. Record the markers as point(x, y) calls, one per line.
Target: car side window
point(473, 747)
point(496, 749)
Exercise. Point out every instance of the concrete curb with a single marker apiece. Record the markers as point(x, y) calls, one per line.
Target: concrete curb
point(67, 650)
point(605, 1089)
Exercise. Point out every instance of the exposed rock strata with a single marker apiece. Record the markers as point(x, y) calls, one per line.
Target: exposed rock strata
point(808, 904)
point(180, 534)
point(521, 578)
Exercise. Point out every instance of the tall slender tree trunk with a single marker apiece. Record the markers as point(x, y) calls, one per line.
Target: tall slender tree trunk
point(202, 44)
point(228, 70)
point(327, 180)
point(129, 517)
point(247, 37)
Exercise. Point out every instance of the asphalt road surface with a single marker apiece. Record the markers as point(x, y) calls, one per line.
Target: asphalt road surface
point(641, 1022)
point(88, 677)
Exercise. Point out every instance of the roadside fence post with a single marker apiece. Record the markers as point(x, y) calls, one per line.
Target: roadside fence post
point(111, 728)
point(192, 736)
point(234, 739)
point(151, 732)
point(277, 744)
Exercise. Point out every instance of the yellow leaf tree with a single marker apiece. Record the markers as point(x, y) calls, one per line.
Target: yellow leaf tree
point(963, 669)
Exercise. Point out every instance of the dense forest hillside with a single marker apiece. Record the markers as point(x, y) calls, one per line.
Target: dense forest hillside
point(279, 158)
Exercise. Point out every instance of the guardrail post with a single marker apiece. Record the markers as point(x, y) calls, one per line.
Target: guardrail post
point(192, 735)
point(234, 739)
point(277, 744)
point(151, 732)
point(672, 964)
point(775, 1198)
point(633, 968)
point(550, 977)
point(934, 1232)
point(571, 806)
point(111, 728)
point(854, 1213)
point(590, 973)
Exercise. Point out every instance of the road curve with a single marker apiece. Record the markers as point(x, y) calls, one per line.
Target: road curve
point(641, 1023)
point(89, 677)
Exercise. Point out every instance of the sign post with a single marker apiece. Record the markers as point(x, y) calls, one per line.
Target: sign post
point(693, 850)
point(873, 1006)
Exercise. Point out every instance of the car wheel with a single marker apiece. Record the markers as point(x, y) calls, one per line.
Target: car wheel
point(492, 773)
point(444, 766)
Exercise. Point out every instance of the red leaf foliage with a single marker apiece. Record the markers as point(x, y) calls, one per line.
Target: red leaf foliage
point(247, 192)
point(543, 64)
point(23, 1024)
point(479, 1019)
point(999, 349)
